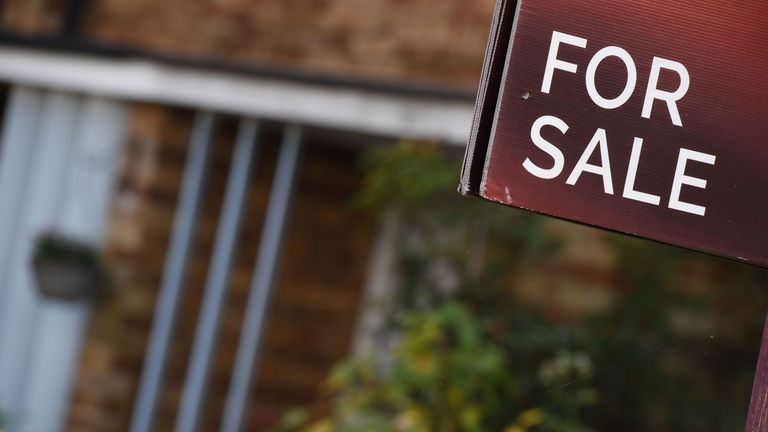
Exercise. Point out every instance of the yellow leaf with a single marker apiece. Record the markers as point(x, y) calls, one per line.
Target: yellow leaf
point(321, 426)
point(531, 417)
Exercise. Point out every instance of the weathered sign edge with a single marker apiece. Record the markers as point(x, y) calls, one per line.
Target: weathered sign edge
point(487, 96)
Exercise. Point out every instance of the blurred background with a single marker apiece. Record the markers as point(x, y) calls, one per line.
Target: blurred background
point(241, 215)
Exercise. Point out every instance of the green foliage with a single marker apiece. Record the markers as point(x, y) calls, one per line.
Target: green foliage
point(450, 372)
point(396, 176)
point(472, 356)
point(451, 246)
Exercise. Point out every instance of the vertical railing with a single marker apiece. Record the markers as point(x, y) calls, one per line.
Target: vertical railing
point(175, 269)
point(204, 346)
point(262, 285)
point(218, 276)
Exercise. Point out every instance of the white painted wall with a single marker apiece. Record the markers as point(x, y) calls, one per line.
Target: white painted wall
point(39, 207)
point(75, 146)
point(84, 215)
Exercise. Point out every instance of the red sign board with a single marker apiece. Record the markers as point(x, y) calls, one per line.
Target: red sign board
point(644, 117)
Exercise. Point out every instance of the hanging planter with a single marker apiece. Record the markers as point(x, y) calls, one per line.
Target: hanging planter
point(69, 270)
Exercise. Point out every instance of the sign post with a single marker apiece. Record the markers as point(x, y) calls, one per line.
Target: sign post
point(757, 421)
point(647, 118)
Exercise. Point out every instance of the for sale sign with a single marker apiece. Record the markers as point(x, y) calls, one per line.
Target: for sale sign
point(644, 117)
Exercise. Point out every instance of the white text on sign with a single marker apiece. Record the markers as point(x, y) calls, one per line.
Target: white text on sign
point(600, 138)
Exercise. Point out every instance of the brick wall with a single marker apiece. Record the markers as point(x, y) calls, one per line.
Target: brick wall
point(426, 40)
point(441, 41)
point(31, 16)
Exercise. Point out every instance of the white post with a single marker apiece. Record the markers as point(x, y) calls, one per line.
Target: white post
point(88, 187)
point(17, 146)
point(39, 210)
point(378, 291)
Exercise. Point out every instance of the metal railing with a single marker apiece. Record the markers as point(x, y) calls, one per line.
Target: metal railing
point(171, 291)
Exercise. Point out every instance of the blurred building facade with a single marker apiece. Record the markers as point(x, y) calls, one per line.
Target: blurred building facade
point(211, 149)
